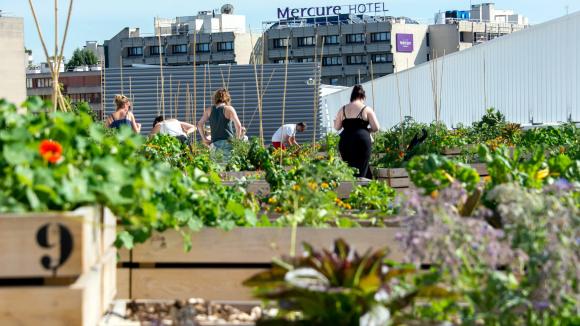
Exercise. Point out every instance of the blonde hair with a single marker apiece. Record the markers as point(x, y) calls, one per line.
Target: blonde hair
point(120, 101)
point(222, 96)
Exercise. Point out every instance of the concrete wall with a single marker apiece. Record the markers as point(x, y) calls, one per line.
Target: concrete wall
point(405, 61)
point(12, 63)
point(444, 39)
point(523, 80)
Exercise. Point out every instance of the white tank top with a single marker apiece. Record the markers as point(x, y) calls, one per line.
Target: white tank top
point(171, 128)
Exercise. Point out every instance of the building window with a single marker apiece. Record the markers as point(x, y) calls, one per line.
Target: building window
point(381, 37)
point(331, 39)
point(331, 61)
point(355, 38)
point(356, 59)
point(180, 48)
point(282, 61)
point(225, 46)
point(280, 43)
point(28, 83)
point(333, 81)
point(427, 39)
point(306, 41)
point(305, 60)
point(382, 58)
point(202, 47)
point(154, 50)
point(135, 51)
point(44, 83)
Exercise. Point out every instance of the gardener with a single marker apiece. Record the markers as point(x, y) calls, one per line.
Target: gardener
point(222, 120)
point(172, 127)
point(287, 135)
point(355, 139)
point(123, 115)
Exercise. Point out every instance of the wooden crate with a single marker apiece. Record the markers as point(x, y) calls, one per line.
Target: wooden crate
point(221, 260)
point(78, 300)
point(59, 244)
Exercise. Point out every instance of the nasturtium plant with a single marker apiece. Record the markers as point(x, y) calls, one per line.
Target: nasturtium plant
point(434, 172)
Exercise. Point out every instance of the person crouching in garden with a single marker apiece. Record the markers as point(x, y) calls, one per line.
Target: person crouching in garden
point(287, 135)
point(222, 119)
point(122, 115)
point(172, 127)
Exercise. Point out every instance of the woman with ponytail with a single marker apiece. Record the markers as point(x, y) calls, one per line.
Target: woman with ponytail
point(122, 115)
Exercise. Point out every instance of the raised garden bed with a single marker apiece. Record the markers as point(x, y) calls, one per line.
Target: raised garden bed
point(220, 260)
point(399, 178)
point(59, 268)
point(261, 187)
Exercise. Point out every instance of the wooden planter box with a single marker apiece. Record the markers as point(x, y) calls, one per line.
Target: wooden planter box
point(399, 178)
point(221, 260)
point(261, 187)
point(59, 268)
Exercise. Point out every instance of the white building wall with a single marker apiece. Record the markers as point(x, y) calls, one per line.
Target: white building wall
point(529, 75)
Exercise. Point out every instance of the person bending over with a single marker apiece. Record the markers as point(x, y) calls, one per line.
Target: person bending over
point(172, 127)
point(287, 135)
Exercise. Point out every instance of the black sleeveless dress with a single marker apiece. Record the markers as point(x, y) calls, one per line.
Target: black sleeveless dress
point(355, 143)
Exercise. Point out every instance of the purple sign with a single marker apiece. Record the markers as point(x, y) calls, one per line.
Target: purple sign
point(404, 42)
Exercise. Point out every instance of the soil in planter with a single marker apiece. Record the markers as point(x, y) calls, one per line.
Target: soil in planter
point(194, 312)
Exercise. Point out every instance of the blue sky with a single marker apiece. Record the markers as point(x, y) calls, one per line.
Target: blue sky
point(98, 20)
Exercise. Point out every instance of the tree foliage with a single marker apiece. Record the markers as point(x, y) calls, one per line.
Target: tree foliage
point(82, 57)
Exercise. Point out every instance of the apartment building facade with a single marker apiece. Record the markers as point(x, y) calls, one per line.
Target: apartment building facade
point(207, 38)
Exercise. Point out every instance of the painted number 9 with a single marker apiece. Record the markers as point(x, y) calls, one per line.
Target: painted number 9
point(64, 242)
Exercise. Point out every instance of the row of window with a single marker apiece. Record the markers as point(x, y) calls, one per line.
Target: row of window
point(137, 51)
point(350, 60)
point(335, 39)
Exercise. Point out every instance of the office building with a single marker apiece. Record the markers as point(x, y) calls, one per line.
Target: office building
point(207, 38)
point(459, 30)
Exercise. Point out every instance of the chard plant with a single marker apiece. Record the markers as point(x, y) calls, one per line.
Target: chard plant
point(342, 287)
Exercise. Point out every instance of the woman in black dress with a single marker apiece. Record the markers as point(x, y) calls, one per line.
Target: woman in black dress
point(355, 139)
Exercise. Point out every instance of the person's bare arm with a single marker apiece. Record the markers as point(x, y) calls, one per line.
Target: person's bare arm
point(136, 126)
point(155, 130)
point(233, 116)
point(201, 126)
point(292, 141)
point(186, 127)
point(338, 120)
point(374, 122)
point(108, 121)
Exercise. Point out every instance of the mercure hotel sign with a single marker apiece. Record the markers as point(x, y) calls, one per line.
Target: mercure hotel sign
point(356, 9)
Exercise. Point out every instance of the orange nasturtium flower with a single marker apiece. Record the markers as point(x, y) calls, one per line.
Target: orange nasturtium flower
point(401, 154)
point(50, 151)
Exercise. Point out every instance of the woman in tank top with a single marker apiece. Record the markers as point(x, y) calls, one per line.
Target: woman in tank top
point(172, 127)
point(355, 139)
point(122, 115)
point(222, 119)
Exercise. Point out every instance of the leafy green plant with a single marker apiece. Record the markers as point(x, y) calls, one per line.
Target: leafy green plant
point(376, 196)
point(341, 287)
point(434, 172)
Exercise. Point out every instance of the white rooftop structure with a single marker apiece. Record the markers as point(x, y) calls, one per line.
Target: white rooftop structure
point(211, 21)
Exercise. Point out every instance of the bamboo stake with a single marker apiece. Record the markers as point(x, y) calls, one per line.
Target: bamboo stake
point(194, 75)
point(317, 93)
point(122, 79)
point(373, 83)
point(161, 68)
point(103, 88)
point(157, 96)
point(484, 86)
point(259, 100)
point(55, 87)
point(409, 90)
point(171, 95)
point(177, 100)
point(439, 96)
point(243, 104)
point(187, 107)
point(284, 94)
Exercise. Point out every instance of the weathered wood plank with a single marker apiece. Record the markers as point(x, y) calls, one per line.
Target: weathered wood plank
point(255, 245)
point(210, 284)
